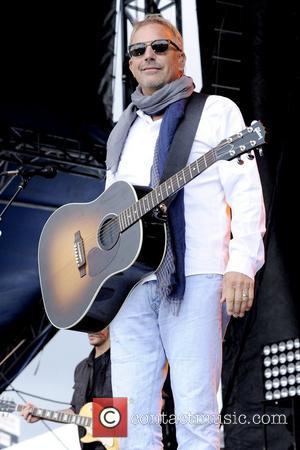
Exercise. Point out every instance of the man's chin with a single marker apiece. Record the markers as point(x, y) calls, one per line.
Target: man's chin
point(150, 88)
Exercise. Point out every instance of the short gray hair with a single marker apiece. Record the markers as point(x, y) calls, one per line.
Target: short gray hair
point(158, 19)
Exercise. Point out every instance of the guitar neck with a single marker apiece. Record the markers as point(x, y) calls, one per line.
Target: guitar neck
point(230, 148)
point(165, 190)
point(59, 416)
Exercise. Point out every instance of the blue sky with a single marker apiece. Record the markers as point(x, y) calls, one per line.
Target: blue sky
point(50, 375)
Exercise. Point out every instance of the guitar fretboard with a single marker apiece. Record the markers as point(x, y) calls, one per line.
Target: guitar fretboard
point(60, 416)
point(169, 187)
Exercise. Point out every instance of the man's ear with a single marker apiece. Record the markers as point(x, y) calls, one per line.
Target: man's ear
point(182, 60)
point(130, 66)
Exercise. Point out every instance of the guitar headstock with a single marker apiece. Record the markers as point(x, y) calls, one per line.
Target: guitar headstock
point(248, 139)
point(7, 406)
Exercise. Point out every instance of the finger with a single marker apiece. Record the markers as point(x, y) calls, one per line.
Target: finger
point(244, 302)
point(229, 297)
point(245, 298)
point(237, 301)
point(243, 307)
point(251, 297)
point(27, 412)
point(24, 412)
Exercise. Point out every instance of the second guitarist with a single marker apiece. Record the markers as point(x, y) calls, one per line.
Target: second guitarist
point(92, 378)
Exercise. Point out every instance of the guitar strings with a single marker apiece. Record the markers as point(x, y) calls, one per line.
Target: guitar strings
point(113, 226)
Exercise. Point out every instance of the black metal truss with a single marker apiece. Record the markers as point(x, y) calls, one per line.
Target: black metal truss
point(152, 7)
point(227, 57)
point(222, 43)
point(27, 148)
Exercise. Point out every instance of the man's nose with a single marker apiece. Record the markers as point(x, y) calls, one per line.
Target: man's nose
point(149, 53)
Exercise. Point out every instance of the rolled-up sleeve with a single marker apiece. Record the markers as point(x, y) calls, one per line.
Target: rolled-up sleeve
point(244, 196)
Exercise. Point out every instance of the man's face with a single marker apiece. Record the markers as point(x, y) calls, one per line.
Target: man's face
point(153, 71)
point(98, 337)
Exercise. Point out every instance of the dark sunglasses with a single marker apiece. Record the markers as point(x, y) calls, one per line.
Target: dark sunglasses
point(158, 46)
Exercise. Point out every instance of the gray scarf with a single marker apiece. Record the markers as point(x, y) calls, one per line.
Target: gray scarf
point(149, 104)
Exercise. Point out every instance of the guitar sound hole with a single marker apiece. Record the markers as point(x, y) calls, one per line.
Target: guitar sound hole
point(109, 232)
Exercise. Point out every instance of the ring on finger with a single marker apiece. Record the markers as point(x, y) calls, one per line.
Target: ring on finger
point(245, 296)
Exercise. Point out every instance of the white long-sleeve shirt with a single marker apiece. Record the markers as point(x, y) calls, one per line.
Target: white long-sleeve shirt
point(226, 198)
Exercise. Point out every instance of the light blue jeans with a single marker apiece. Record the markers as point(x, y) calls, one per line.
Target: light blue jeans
point(144, 335)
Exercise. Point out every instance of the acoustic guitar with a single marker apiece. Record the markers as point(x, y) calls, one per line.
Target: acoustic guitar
point(91, 255)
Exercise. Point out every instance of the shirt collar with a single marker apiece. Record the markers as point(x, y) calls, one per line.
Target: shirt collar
point(146, 117)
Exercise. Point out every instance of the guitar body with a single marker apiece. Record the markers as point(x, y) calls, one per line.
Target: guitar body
point(87, 267)
point(109, 443)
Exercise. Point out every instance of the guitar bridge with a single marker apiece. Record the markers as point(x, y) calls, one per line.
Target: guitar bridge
point(79, 254)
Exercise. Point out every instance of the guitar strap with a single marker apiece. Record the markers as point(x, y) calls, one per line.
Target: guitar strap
point(183, 139)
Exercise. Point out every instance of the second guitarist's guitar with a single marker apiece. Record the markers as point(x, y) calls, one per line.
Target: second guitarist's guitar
point(92, 254)
point(83, 419)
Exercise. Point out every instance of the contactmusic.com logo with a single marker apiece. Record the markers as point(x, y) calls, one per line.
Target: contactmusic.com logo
point(110, 417)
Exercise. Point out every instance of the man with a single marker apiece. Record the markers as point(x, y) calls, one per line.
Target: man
point(154, 323)
point(92, 379)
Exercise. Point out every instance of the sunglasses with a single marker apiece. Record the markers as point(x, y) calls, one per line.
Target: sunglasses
point(158, 46)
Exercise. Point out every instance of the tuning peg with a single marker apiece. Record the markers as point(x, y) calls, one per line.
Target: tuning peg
point(260, 151)
point(250, 156)
point(240, 161)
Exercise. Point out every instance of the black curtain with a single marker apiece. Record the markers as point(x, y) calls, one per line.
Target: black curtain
point(269, 92)
point(57, 66)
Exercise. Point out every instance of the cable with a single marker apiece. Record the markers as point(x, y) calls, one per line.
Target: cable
point(35, 396)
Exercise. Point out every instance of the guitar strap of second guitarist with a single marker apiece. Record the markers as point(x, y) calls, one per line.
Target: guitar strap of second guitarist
point(183, 139)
